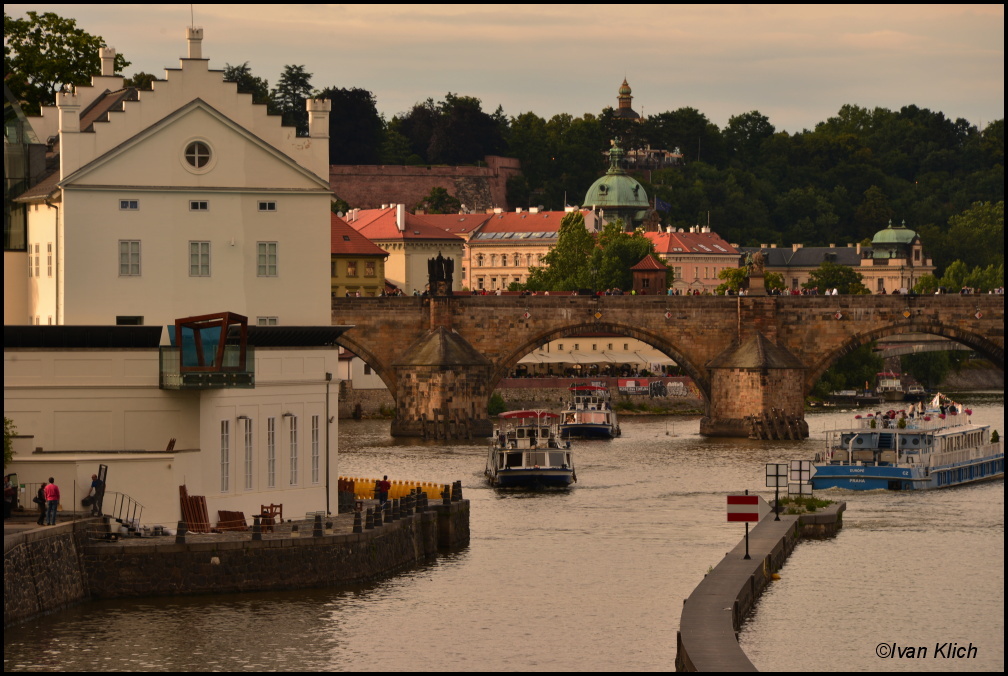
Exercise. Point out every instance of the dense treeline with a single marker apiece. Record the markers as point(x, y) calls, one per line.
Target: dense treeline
point(838, 183)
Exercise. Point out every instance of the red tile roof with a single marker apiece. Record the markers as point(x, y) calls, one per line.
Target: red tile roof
point(649, 262)
point(463, 225)
point(380, 224)
point(690, 243)
point(348, 242)
point(526, 221)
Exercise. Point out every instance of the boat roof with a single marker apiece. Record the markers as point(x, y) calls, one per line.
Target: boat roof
point(511, 415)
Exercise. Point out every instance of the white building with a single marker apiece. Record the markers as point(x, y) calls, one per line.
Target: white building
point(85, 396)
point(175, 202)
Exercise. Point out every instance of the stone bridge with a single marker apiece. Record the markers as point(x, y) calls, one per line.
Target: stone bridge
point(749, 355)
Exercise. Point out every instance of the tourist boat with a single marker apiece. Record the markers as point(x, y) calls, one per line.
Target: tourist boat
point(889, 387)
point(526, 452)
point(915, 393)
point(588, 414)
point(936, 446)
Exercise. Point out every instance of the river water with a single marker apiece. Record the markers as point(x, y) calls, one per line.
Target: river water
point(592, 579)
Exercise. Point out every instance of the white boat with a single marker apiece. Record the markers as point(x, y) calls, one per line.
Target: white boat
point(526, 452)
point(920, 449)
point(588, 413)
point(889, 387)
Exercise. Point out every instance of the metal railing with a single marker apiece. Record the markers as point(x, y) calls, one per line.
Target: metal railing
point(125, 509)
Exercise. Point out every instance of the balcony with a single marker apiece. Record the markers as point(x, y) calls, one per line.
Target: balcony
point(229, 374)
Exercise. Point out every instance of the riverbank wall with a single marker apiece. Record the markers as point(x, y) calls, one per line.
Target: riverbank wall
point(47, 569)
point(713, 614)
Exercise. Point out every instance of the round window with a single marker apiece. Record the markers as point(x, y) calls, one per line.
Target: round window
point(197, 154)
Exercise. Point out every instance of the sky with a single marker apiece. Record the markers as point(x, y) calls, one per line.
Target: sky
point(795, 64)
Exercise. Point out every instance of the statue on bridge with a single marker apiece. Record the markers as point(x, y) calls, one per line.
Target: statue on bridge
point(439, 275)
point(756, 262)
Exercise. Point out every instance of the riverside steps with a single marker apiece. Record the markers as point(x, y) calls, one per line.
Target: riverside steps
point(713, 614)
point(82, 563)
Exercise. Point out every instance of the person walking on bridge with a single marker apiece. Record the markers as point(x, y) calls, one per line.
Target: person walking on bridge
point(383, 490)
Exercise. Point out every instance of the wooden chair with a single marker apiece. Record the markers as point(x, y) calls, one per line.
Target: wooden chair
point(268, 515)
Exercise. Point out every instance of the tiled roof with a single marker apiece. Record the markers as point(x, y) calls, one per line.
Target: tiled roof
point(348, 242)
point(649, 262)
point(380, 224)
point(690, 243)
point(807, 257)
point(463, 225)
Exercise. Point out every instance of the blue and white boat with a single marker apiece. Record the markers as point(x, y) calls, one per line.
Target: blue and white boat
point(919, 449)
point(589, 414)
point(526, 452)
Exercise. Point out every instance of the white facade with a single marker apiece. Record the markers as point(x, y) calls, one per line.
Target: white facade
point(75, 409)
point(188, 201)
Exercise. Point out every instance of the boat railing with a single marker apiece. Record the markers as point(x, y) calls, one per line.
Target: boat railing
point(965, 454)
point(912, 424)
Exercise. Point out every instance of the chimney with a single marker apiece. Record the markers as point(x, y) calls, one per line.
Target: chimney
point(68, 105)
point(517, 210)
point(107, 55)
point(400, 217)
point(194, 37)
point(795, 247)
point(318, 117)
point(773, 246)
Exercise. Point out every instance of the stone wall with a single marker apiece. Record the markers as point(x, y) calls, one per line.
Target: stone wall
point(370, 186)
point(47, 569)
point(42, 572)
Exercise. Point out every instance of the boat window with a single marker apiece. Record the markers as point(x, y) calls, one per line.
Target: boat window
point(500, 460)
point(514, 460)
point(556, 459)
point(569, 463)
point(535, 458)
point(521, 433)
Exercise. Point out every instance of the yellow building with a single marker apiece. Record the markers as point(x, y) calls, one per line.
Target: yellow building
point(356, 266)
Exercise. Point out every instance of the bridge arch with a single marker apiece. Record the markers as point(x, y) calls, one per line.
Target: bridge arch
point(970, 339)
point(381, 369)
point(504, 365)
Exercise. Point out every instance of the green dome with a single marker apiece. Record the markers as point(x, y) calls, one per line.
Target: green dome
point(899, 234)
point(625, 89)
point(616, 190)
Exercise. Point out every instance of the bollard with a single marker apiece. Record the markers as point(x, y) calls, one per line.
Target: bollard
point(256, 528)
point(456, 493)
point(357, 523)
point(317, 532)
point(387, 512)
point(408, 503)
point(294, 531)
point(180, 533)
point(369, 521)
point(446, 495)
point(377, 516)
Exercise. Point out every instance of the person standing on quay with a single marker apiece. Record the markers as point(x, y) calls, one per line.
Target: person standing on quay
point(40, 502)
point(383, 490)
point(52, 496)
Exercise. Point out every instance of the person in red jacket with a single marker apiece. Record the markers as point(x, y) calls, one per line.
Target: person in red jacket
point(383, 490)
point(52, 496)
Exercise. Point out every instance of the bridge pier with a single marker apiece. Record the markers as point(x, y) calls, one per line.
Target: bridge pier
point(442, 389)
point(757, 391)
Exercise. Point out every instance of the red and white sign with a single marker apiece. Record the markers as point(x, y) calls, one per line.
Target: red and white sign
point(747, 508)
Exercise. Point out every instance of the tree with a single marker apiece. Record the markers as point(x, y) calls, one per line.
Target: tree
point(616, 253)
point(977, 234)
point(831, 275)
point(45, 52)
point(356, 130)
point(247, 82)
point(289, 96)
point(745, 134)
point(734, 280)
point(8, 445)
point(568, 263)
point(929, 368)
point(142, 81)
point(850, 371)
point(439, 201)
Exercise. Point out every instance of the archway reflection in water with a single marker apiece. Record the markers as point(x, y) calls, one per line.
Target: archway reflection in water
point(592, 579)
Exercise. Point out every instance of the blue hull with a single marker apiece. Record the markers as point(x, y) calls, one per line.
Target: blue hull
point(868, 478)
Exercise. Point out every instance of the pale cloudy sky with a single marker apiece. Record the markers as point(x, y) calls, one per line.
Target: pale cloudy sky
point(796, 64)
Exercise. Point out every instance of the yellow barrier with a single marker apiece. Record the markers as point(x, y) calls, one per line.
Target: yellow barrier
point(364, 488)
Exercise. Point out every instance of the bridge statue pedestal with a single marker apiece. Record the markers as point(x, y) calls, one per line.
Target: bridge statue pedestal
point(442, 389)
point(757, 391)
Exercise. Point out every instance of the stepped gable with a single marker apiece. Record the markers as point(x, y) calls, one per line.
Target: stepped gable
point(756, 352)
point(443, 348)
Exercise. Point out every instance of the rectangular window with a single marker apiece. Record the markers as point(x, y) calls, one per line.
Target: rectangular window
point(199, 205)
point(129, 205)
point(267, 206)
point(37, 256)
point(248, 455)
point(129, 258)
point(271, 452)
point(49, 257)
point(332, 269)
point(225, 455)
point(367, 369)
point(266, 321)
point(199, 259)
point(314, 449)
point(351, 268)
point(369, 268)
point(266, 259)
point(293, 451)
